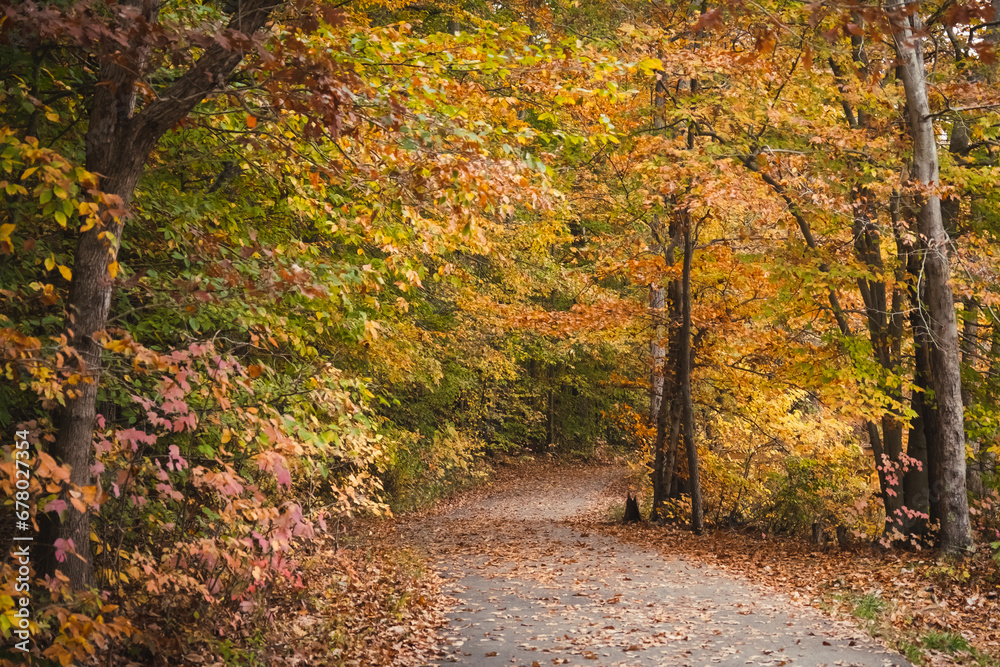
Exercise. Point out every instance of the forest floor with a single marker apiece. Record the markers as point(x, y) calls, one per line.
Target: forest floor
point(536, 580)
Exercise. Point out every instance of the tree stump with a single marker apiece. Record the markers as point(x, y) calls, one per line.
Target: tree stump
point(817, 533)
point(843, 541)
point(632, 514)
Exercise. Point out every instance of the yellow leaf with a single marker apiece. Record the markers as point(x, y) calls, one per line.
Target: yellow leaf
point(227, 435)
point(66, 273)
point(5, 231)
point(650, 64)
point(113, 269)
point(50, 263)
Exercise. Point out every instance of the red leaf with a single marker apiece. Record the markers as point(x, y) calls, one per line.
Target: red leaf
point(709, 19)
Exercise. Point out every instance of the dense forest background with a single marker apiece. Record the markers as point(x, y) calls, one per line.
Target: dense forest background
point(266, 266)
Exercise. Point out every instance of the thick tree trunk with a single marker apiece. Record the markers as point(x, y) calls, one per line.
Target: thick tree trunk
point(959, 146)
point(89, 304)
point(118, 144)
point(687, 403)
point(956, 534)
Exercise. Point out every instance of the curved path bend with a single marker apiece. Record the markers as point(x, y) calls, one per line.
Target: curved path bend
point(533, 591)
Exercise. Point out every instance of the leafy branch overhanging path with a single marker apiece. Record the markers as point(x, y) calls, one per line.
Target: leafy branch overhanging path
point(534, 585)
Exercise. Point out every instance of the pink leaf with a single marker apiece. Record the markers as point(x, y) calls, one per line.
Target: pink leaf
point(56, 505)
point(62, 548)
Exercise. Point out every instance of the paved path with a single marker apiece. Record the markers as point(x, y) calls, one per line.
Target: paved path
point(535, 592)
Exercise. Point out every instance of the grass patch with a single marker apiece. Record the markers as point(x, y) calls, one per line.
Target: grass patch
point(616, 512)
point(869, 606)
point(946, 642)
point(911, 652)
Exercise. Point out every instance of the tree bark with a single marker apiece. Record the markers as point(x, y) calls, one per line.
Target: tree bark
point(552, 416)
point(955, 534)
point(916, 487)
point(118, 144)
point(970, 354)
point(684, 372)
point(667, 413)
point(667, 424)
point(670, 488)
point(656, 351)
point(923, 432)
point(657, 474)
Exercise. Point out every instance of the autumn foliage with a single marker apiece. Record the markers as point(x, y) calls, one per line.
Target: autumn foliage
point(351, 252)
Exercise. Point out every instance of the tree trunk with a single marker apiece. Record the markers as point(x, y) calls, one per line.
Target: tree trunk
point(970, 353)
point(892, 446)
point(668, 302)
point(670, 460)
point(667, 427)
point(657, 475)
point(930, 420)
point(842, 539)
point(817, 533)
point(916, 482)
point(118, 145)
point(916, 486)
point(684, 373)
point(658, 405)
point(552, 415)
point(657, 351)
point(956, 533)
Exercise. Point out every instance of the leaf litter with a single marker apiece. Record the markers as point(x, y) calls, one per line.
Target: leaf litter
point(918, 592)
point(529, 571)
point(537, 578)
